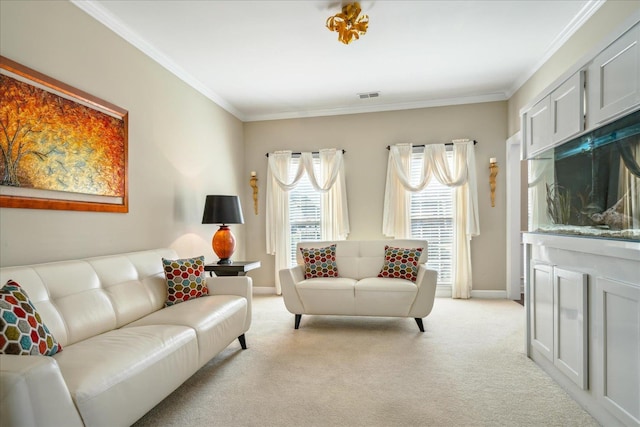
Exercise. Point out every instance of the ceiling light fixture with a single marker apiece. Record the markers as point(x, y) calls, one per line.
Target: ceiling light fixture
point(348, 24)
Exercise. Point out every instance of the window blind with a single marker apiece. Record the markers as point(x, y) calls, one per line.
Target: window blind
point(304, 210)
point(432, 219)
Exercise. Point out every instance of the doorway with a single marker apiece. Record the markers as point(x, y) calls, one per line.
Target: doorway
point(515, 258)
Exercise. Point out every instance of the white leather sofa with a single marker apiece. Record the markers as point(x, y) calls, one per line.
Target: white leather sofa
point(122, 352)
point(358, 291)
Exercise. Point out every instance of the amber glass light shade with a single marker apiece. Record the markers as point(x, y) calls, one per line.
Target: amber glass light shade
point(223, 210)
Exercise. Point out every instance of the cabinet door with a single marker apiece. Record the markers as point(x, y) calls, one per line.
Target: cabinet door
point(538, 129)
point(614, 78)
point(541, 312)
point(570, 325)
point(618, 327)
point(567, 108)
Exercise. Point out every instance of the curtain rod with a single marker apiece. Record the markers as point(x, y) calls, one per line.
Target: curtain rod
point(297, 153)
point(422, 145)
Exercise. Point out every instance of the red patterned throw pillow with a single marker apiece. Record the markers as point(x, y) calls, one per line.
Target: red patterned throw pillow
point(319, 262)
point(401, 263)
point(22, 331)
point(185, 279)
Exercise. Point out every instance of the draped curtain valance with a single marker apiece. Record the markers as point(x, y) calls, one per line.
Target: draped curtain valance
point(328, 180)
point(396, 215)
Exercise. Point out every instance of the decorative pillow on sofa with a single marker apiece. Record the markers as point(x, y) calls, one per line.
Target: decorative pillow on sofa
point(185, 279)
point(22, 331)
point(401, 263)
point(319, 262)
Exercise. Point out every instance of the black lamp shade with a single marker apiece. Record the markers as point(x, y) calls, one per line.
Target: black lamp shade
point(222, 210)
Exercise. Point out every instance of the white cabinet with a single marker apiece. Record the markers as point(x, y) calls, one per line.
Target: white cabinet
point(618, 319)
point(538, 127)
point(601, 90)
point(558, 322)
point(614, 79)
point(541, 298)
point(556, 117)
point(567, 108)
point(570, 325)
point(582, 298)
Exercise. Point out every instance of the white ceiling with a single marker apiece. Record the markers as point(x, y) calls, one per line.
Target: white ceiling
point(264, 60)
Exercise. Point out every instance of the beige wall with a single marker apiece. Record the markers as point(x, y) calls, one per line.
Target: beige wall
point(182, 146)
point(607, 19)
point(364, 137)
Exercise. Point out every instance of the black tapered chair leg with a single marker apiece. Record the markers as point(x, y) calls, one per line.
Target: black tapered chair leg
point(420, 325)
point(243, 342)
point(298, 317)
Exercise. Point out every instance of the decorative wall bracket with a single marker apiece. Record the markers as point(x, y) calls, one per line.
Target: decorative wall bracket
point(493, 172)
point(253, 182)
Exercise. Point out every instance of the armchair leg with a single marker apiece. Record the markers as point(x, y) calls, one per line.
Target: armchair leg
point(420, 325)
point(298, 317)
point(243, 342)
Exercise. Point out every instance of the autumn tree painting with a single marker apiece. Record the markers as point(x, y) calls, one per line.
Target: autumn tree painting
point(50, 142)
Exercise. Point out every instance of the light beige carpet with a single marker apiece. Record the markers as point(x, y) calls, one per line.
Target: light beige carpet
point(467, 369)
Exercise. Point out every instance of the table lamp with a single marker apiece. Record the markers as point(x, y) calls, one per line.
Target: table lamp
point(223, 210)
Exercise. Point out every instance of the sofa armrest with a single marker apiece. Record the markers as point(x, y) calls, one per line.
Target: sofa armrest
point(241, 286)
point(288, 279)
point(426, 282)
point(33, 393)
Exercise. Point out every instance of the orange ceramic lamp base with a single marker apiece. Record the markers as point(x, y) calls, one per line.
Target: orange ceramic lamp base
point(224, 244)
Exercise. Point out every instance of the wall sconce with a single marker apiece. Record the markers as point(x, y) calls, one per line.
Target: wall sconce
point(493, 172)
point(253, 182)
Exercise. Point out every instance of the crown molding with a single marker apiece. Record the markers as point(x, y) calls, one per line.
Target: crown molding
point(492, 97)
point(97, 12)
point(585, 13)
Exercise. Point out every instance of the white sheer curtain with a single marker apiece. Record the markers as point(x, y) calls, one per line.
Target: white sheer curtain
point(329, 180)
point(396, 215)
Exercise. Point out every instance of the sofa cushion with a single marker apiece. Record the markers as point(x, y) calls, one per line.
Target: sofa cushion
point(401, 263)
point(118, 376)
point(125, 278)
point(217, 320)
point(378, 296)
point(319, 262)
point(185, 279)
point(327, 283)
point(22, 330)
point(327, 295)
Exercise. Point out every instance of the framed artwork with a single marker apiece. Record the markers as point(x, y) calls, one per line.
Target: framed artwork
point(60, 148)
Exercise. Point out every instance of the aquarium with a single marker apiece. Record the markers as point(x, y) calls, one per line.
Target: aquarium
point(589, 186)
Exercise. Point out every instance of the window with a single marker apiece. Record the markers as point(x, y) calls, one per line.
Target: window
point(432, 219)
point(304, 210)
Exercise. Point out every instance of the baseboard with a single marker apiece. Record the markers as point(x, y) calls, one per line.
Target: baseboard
point(264, 290)
point(489, 294)
point(444, 291)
